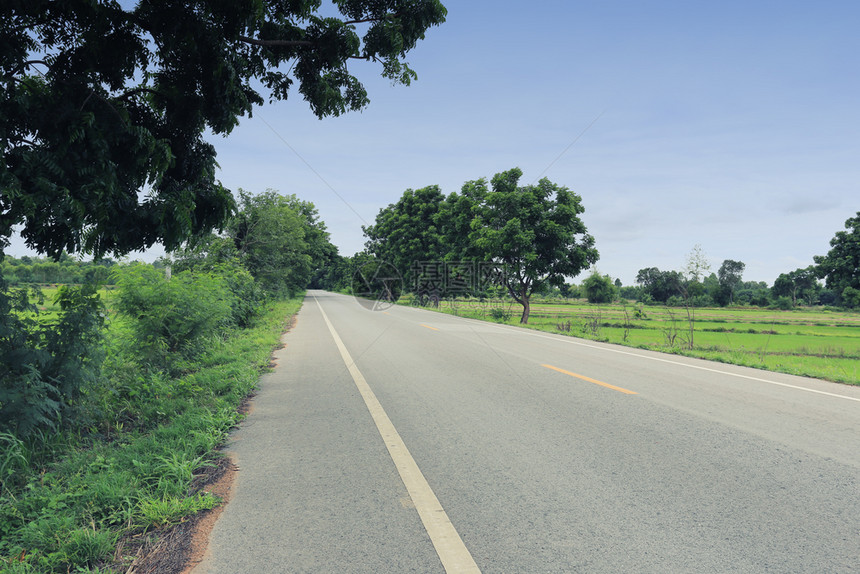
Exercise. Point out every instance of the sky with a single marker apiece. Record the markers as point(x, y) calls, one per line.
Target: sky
point(731, 125)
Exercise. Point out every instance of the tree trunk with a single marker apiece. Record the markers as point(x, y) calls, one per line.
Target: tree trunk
point(525, 318)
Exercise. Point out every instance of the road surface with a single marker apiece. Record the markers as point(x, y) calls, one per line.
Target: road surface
point(402, 440)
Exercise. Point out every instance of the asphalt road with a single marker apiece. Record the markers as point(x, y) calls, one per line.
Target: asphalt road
point(542, 453)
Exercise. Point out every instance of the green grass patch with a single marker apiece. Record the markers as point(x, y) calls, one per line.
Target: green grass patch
point(816, 343)
point(66, 498)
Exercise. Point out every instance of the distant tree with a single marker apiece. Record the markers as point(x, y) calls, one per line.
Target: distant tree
point(269, 236)
point(659, 285)
point(697, 264)
point(840, 268)
point(800, 283)
point(730, 275)
point(535, 232)
point(599, 288)
point(100, 103)
point(568, 291)
point(632, 292)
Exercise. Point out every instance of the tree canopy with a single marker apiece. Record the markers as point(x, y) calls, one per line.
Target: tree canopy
point(409, 232)
point(103, 109)
point(534, 232)
point(730, 275)
point(840, 268)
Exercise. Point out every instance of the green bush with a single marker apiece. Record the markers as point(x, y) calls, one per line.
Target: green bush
point(783, 303)
point(45, 360)
point(171, 318)
point(851, 297)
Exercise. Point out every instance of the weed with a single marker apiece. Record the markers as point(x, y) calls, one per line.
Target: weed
point(172, 509)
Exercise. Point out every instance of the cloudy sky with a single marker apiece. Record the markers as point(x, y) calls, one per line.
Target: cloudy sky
point(733, 125)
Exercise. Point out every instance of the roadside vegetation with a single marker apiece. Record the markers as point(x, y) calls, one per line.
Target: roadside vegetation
point(114, 398)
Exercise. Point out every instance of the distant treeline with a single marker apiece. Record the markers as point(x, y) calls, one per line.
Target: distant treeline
point(68, 270)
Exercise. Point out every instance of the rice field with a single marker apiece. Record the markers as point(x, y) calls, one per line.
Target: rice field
point(816, 343)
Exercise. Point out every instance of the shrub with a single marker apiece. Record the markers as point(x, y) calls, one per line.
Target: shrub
point(851, 297)
point(783, 303)
point(172, 317)
point(599, 288)
point(45, 361)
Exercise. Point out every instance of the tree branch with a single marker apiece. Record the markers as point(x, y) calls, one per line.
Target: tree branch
point(362, 21)
point(275, 43)
point(375, 19)
point(138, 90)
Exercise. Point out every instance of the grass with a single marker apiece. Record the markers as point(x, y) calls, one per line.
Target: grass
point(816, 343)
point(67, 498)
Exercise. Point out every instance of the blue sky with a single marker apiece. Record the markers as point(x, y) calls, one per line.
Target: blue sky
point(733, 125)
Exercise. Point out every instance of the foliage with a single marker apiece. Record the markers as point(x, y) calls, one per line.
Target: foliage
point(658, 285)
point(171, 318)
point(65, 270)
point(730, 274)
point(218, 256)
point(407, 233)
point(98, 103)
point(841, 266)
point(534, 231)
point(72, 495)
point(44, 363)
point(797, 284)
point(599, 288)
point(269, 235)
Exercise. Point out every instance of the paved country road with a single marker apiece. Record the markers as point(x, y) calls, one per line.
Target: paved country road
point(410, 441)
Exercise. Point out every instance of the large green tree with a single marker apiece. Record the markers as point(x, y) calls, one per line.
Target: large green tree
point(103, 109)
point(535, 232)
point(407, 234)
point(840, 268)
point(270, 237)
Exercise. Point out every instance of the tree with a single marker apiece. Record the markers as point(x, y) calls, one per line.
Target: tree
point(599, 288)
point(535, 232)
point(697, 264)
point(406, 234)
point(269, 236)
point(800, 283)
point(730, 275)
point(660, 285)
point(103, 109)
point(455, 219)
point(840, 268)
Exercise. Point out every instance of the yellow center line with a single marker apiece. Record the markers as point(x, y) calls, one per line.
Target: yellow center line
point(429, 327)
point(590, 380)
point(386, 313)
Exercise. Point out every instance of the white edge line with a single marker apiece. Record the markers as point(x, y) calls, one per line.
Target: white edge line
point(449, 546)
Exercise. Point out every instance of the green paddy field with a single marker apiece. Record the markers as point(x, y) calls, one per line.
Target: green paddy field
point(816, 343)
